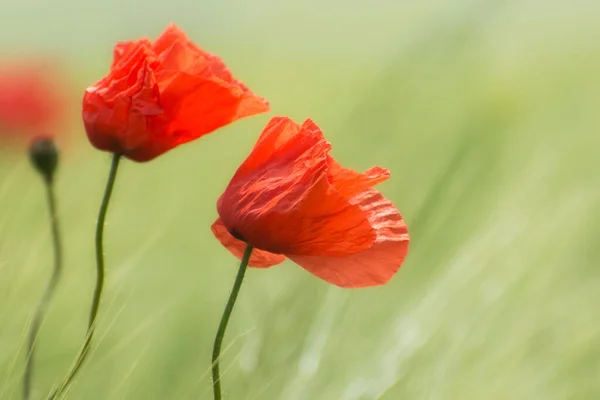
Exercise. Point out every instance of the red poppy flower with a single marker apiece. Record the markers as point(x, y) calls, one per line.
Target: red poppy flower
point(163, 94)
point(31, 101)
point(291, 199)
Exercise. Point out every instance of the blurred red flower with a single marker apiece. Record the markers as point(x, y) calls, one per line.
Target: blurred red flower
point(291, 199)
point(31, 100)
point(163, 94)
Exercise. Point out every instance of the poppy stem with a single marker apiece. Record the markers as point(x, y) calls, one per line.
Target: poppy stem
point(225, 320)
point(42, 306)
point(99, 278)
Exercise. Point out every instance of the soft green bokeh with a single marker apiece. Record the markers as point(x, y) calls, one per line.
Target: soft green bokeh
point(486, 113)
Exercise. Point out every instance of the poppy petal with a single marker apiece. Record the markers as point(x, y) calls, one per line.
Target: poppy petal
point(123, 50)
point(281, 200)
point(374, 266)
point(179, 57)
point(278, 132)
point(183, 97)
point(163, 94)
point(349, 182)
point(127, 60)
point(325, 224)
point(178, 53)
point(258, 258)
point(176, 46)
point(171, 34)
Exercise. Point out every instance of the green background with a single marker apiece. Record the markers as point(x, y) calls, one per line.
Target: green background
point(486, 113)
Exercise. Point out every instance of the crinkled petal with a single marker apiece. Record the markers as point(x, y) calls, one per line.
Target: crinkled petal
point(280, 199)
point(175, 46)
point(197, 106)
point(160, 95)
point(165, 40)
point(179, 57)
point(127, 116)
point(278, 133)
point(258, 258)
point(129, 57)
point(123, 50)
point(146, 99)
point(103, 124)
point(176, 53)
point(349, 182)
point(375, 265)
point(324, 223)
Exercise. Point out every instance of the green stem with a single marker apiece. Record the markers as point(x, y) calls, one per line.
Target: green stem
point(99, 278)
point(42, 307)
point(225, 319)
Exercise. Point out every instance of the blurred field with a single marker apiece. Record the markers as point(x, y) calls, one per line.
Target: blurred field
point(485, 112)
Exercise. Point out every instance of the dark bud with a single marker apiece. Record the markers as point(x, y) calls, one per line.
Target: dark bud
point(44, 156)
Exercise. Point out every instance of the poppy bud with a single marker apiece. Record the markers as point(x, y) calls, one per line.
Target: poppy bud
point(44, 156)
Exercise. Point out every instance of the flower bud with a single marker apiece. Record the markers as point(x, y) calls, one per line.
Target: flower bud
point(44, 156)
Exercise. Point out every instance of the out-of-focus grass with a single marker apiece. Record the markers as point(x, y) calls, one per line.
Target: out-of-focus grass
point(486, 114)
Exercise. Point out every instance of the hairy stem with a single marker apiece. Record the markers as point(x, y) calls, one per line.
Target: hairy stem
point(225, 320)
point(99, 278)
point(42, 306)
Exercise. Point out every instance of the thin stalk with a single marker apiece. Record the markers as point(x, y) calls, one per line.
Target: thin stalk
point(99, 278)
point(42, 307)
point(225, 320)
